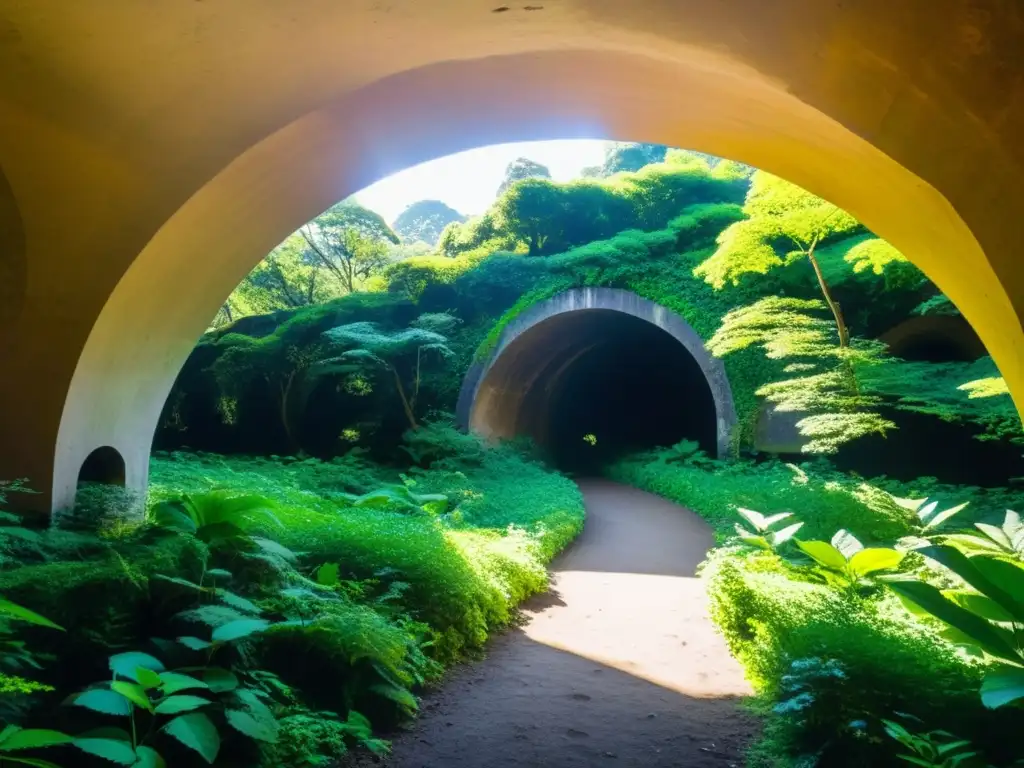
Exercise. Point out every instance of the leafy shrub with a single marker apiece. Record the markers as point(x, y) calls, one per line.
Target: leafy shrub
point(874, 659)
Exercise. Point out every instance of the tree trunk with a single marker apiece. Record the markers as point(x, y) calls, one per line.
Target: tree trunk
point(837, 313)
point(405, 401)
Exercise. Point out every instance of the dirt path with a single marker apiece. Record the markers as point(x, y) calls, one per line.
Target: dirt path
point(618, 665)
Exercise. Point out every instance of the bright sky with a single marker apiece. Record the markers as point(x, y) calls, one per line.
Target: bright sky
point(467, 181)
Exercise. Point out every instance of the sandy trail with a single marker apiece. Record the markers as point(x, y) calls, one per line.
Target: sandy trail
point(618, 665)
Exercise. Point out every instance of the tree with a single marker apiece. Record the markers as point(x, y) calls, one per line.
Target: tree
point(823, 381)
point(631, 157)
point(520, 169)
point(529, 211)
point(424, 221)
point(331, 256)
point(785, 224)
point(349, 241)
point(367, 348)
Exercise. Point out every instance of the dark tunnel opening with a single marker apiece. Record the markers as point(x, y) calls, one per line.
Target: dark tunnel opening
point(593, 384)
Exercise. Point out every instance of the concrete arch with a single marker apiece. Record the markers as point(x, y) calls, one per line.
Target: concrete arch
point(499, 396)
point(157, 153)
point(939, 338)
point(12, 255)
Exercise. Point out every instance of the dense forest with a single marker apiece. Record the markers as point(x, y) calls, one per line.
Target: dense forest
point(321, 542)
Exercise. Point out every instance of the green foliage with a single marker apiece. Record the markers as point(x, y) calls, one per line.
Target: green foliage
point(424, 221)
point(218, 518)
point(972, 393)
point(365, 348)
point(987, 615)
point(763, 536)
point(933, 749)
point(14, 741)
point(781, 217)
point(826, 387)
point(336, 253)
point(848, 563)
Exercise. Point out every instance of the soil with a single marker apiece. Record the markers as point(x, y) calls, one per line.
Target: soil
point(617, 665)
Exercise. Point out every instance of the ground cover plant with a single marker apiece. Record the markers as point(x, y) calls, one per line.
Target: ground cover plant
point(814, 584)
point(275, 611)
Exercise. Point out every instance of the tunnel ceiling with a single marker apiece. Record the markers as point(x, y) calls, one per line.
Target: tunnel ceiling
point(600, 357)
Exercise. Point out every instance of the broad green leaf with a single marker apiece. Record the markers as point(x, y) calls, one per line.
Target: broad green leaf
point(8, 731)
point(169, 514)
point(327, 575)
point(126, 664)
point(996, 534)
point(953, 746)
point(236, 630)
point(134, 692)
point(174, 705)
point(219, 573)
point(172, 682)
point(220, 680)
point(1002, 685)
point(194, 643)
point(196, 732)
point(15, 611)
point(847, 544)
point(114, 750)
point(1008, 575)
point(756, 519)
point(787, 533)
point(873, 559)
point(985, 635)
point(776, 518)
point(35, 738)
point(823, 553)
point(149, 758)
point(927, 511)
point(971, 544)
point(238, 602)
point(261, 729)
point(967, 569)
point(147, 678)
point(943, 516)
point(978, 604)
point(272, 547)
point(104, 701)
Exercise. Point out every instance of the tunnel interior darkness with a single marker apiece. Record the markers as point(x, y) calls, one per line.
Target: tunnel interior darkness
point(104, 465)
point(591, 384)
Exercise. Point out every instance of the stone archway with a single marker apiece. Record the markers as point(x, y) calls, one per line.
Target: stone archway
point(157, 153)
point(516, 389)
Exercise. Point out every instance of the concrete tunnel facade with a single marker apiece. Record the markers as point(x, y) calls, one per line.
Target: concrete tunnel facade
point(527, 382)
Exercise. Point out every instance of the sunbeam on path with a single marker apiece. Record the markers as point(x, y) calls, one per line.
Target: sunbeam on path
point(618, 664)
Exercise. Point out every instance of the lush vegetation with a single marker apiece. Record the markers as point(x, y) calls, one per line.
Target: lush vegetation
point(269, 610)
point(319, 543)
point(831, 592)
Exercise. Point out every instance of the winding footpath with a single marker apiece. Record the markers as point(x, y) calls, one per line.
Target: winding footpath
point(617, 665)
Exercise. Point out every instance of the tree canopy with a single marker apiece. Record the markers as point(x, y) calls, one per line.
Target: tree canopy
point(425, 221)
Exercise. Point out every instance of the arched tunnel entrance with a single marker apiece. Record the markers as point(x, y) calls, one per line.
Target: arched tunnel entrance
point(593, 373)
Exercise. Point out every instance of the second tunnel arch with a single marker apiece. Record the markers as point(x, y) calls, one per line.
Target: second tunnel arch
point(511, 392)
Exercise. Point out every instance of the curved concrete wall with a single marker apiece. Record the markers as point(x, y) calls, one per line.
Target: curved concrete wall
point(156, 153)
point(495, 399)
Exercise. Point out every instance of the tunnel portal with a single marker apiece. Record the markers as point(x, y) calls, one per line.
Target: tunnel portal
point(593, 373)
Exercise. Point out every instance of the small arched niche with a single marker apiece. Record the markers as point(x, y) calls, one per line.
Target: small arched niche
point(104, 465)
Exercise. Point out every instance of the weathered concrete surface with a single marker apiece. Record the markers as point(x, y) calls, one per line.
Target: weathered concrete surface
point(509, 394)
point(156, 151)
